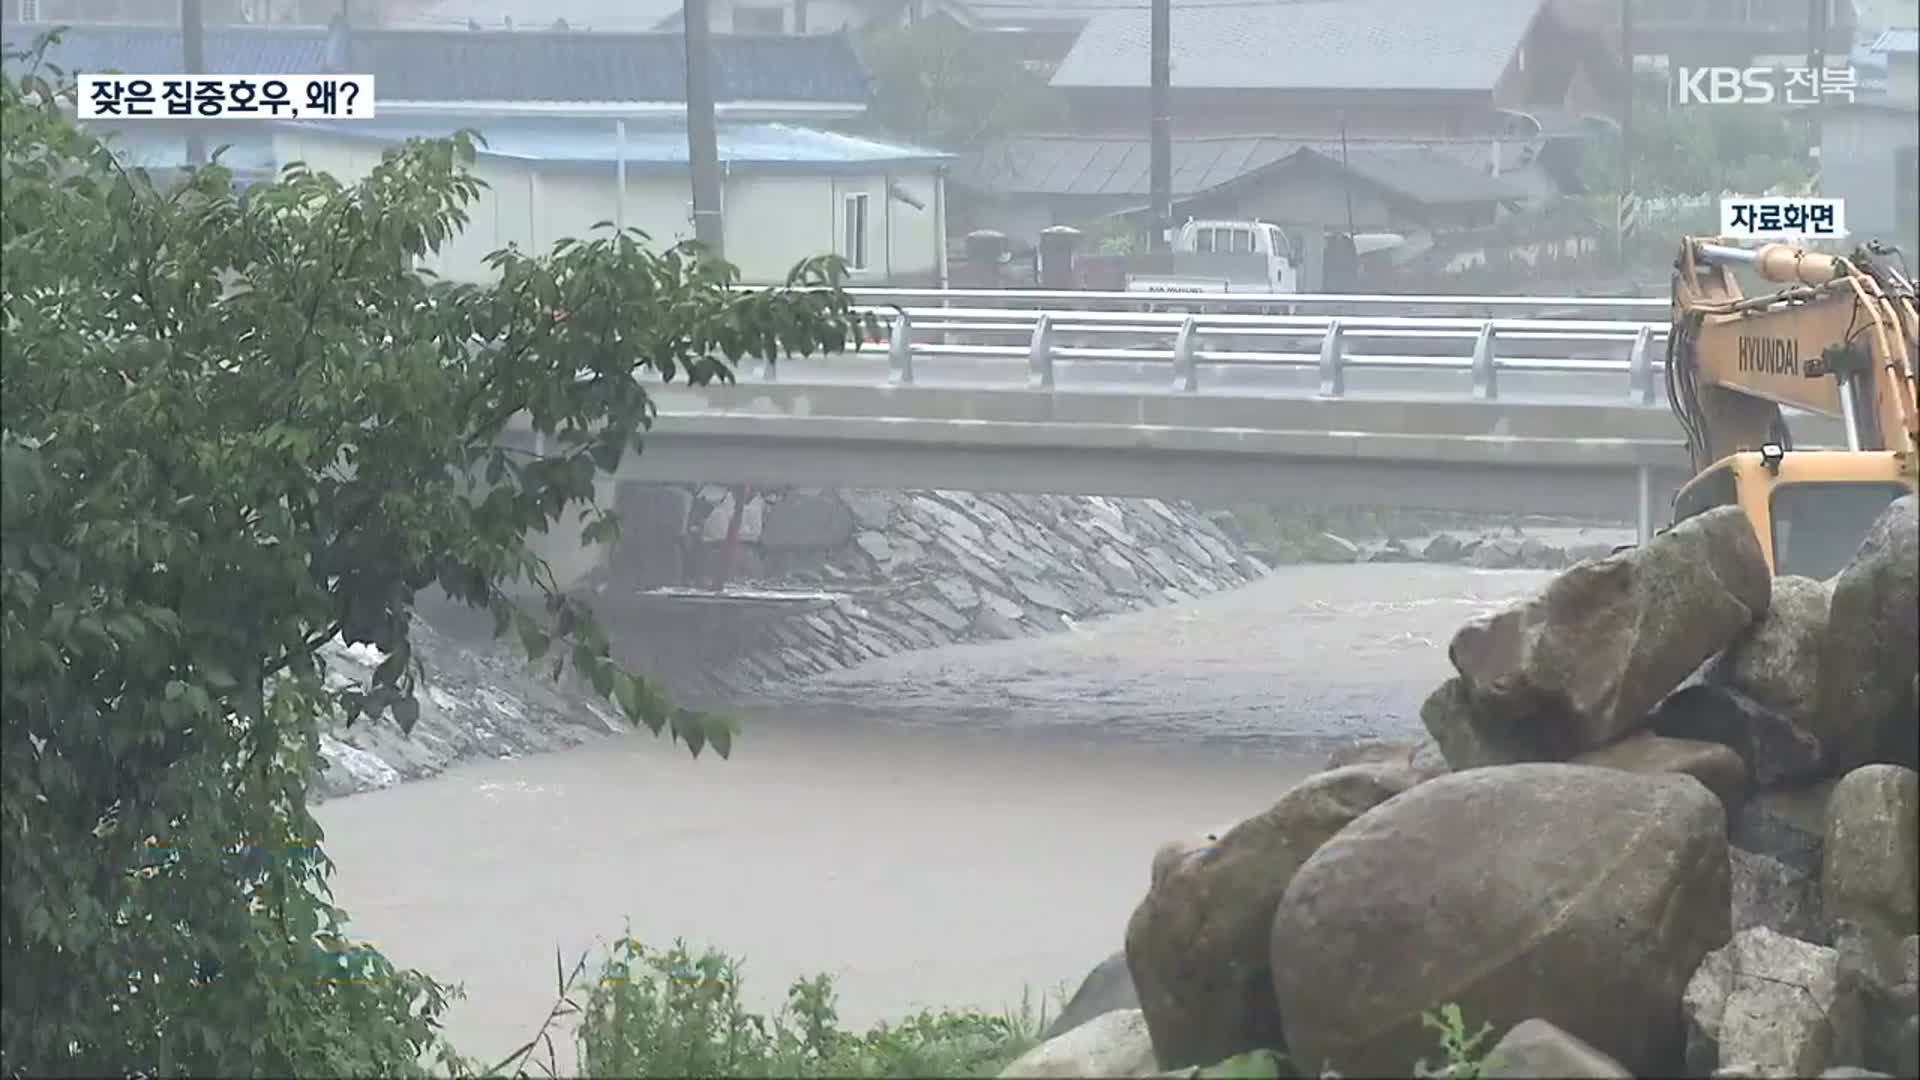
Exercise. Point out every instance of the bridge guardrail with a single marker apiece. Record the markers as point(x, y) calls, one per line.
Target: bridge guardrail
point(1328, 340)
point(1624, 307)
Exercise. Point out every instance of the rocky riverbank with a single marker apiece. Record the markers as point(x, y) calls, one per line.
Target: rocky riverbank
point(1666, 822)
point(819, 581)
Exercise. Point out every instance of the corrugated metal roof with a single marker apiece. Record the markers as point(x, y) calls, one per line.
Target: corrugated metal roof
point(1044, 165)
point(1069, 166)
point(152, 49)
point(459, 65)
point(661, 145)
point(1312, 45)
point(1900, 39)
point(616, 16)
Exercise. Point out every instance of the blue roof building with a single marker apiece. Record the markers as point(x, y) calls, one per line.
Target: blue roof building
point(788, 192)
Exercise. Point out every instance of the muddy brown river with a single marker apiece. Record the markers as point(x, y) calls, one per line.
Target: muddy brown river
point(952, 827)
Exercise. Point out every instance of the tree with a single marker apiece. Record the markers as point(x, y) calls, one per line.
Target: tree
point(1707, 151)
point(940, 84)
point(233, 427)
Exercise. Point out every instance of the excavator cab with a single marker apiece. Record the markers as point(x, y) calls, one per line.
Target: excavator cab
point(1810, 508)
point(1839, 341)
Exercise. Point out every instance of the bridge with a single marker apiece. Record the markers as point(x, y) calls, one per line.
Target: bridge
point(1491, 404)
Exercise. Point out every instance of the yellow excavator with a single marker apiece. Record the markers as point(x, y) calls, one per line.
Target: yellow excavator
point(1838, 340)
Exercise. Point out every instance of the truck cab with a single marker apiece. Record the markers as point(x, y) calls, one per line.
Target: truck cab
point(1260, 238)
point(1220, 257)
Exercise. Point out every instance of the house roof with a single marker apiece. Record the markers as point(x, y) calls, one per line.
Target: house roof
point(650, 146)
point(1904, 40)
point(615, 16)
point(1069, 165)
point(1040, 165)
point(1118, 168)
point(460, 65)
point(1426, 177)
point(1308, 45)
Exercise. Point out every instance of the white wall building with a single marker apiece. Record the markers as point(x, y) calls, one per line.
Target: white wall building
point(788, 193)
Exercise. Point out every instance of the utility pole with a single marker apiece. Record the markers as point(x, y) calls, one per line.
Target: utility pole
point(703, 143)
point(1159, 135)
point(1818, 14)
point(1631, 82)
point(193, 46)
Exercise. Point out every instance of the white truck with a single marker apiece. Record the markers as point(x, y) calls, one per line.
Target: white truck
point(1243, 257)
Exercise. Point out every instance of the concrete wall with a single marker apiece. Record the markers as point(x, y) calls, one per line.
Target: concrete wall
point(772, 221)
point(1859, 155)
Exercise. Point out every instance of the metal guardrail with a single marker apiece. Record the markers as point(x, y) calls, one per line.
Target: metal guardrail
point(1070, 299)
point(1330, 352)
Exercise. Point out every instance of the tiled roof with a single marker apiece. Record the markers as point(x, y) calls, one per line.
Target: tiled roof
point(1038, 165)
point(1311, 45)
point(459, 65)
point(657, 144)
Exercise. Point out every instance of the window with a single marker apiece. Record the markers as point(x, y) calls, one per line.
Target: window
point(1708, 490)
point(855, 251)
point(1817, 527)
point(29, 10)
point(1203, 240)
point(759, 20)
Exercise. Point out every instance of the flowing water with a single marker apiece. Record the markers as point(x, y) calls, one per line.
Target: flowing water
point(951, 827)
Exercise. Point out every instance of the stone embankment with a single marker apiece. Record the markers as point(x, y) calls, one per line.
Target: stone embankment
point(1666, 823)
point(911, 570)
point(822, 580)
point(819, 581)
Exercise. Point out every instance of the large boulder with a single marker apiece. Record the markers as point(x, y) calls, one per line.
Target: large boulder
point(1114, 1044)
point(1778, 839)
point(1871, 855)
point(1197, 944)
point(1107, 988)
point(1424, 755)
point(1711, 763)
point(1536, 1048)
point(1770, 1004)
point(1579, 895)
point(1777, 895)
point(1586, 660)
point(1777, 661)
point(1778, 751)
point(1462, 735)
point(1868, 672)
point(1880, 975)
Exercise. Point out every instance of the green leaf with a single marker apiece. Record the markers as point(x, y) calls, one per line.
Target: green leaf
point(407, 712)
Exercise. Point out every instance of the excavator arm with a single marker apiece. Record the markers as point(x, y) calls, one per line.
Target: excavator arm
point(1838, 340)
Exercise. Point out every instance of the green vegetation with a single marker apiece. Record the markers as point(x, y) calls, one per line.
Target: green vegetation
point(233, 427)
point(677, 1013)
point(942, 85)
point(1464, 1057)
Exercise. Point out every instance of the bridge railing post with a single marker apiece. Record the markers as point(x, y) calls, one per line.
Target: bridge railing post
point(1333, 361)
point(900, 350)
point(1643, 503)
point(1640, 367)
point(1040, 355)
point(1186, 373)
point(1486, 366)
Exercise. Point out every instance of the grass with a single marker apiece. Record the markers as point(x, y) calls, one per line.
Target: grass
point(680, 1013)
